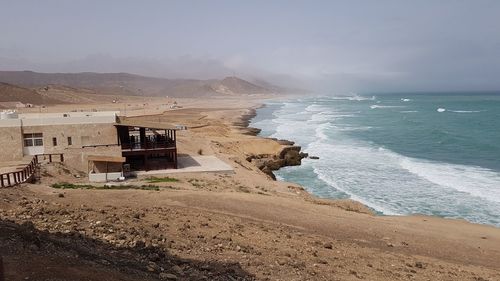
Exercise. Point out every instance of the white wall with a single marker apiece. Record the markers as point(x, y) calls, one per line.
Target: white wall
point(104, 177)
point(10, 123)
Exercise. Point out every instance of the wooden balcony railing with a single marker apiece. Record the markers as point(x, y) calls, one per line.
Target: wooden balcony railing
point(147, 145)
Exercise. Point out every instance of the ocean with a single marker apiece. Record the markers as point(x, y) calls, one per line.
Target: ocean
point(399, 154)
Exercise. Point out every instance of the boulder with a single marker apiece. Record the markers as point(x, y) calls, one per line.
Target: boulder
point(287, 150)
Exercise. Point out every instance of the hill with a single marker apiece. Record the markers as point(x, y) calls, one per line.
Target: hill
point(131, 84)
point(13, 93)
point(234, 85)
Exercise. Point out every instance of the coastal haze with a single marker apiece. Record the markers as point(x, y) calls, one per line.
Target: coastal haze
point(332, 46)
point(257, 140)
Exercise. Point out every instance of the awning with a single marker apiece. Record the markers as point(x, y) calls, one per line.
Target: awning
point(129, 122)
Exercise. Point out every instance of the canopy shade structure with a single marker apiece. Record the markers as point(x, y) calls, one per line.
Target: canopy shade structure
point(134, 122)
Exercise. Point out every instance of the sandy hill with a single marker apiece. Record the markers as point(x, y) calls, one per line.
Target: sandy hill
point(67, 94)
point(131, 84)
point(13, 93)
point(234, 85)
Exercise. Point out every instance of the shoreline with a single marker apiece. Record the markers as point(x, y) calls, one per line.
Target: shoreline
point(247, 120)
point(228, 226)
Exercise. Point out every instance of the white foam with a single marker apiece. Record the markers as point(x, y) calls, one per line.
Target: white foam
point(316, 108)
point(374, 106)
point(320, 131)
point(405, 100)
point(457, 111)
point(465, 111)
point(409, 111)
point(382, 179)
point(353, 196)
point(345, 128)
point(476, 181)
point(353, 98)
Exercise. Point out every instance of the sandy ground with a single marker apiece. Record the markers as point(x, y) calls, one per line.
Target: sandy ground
point(226, 226)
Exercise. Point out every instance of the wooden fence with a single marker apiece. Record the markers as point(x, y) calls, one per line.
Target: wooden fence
point(28, 173)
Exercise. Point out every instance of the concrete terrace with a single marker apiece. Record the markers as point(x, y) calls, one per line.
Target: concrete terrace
point(191, 164)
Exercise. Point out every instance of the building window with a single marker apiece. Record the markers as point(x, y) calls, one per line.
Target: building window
point(54, 141)
point(35, 139)
point(70, 141)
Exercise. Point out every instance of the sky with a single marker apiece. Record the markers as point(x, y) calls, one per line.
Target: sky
point(327, 46)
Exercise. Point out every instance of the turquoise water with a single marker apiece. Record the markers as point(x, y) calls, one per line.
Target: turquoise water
point(433, 154)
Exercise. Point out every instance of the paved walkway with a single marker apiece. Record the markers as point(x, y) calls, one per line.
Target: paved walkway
point(192, 164)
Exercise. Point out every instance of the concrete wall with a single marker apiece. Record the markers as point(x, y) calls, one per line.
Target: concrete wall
point(11, 144)
point(75, 155)
point(100, 167)
point(47, 121)
point(103, 177)
point(81, 135)
point(69, 115)
point(84, 128)
point(77, 158)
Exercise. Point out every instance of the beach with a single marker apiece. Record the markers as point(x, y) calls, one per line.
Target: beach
point(239, 225)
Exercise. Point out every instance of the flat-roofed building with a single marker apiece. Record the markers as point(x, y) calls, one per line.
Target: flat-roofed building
point(69, 133)
point(87, 139)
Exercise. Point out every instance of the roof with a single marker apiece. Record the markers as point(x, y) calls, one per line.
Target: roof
point(104, 158)
point(145, 124)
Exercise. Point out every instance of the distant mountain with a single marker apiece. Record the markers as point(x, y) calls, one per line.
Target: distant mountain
point(13, 93)
point(234, 86)
point(131, 84)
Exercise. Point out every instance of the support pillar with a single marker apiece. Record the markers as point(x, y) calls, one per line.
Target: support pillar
point(142, 136)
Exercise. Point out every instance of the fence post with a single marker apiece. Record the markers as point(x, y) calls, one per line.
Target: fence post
point(1, 180)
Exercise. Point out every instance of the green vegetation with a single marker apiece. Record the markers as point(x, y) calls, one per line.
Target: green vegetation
point(158, 180)
point(65, 185)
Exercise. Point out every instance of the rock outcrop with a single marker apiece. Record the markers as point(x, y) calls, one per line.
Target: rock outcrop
point(288, 156)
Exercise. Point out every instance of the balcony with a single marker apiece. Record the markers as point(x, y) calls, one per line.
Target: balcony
point(147, 145)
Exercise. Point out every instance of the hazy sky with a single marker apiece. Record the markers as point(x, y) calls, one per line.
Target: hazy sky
point(335, 46)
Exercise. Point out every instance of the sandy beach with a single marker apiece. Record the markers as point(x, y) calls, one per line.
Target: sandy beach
point(239, 225)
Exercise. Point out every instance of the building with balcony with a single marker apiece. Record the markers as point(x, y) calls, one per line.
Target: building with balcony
point(92, 142)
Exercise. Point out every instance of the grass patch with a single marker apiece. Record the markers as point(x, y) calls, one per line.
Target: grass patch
point(65, 185)
point(158, 180)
